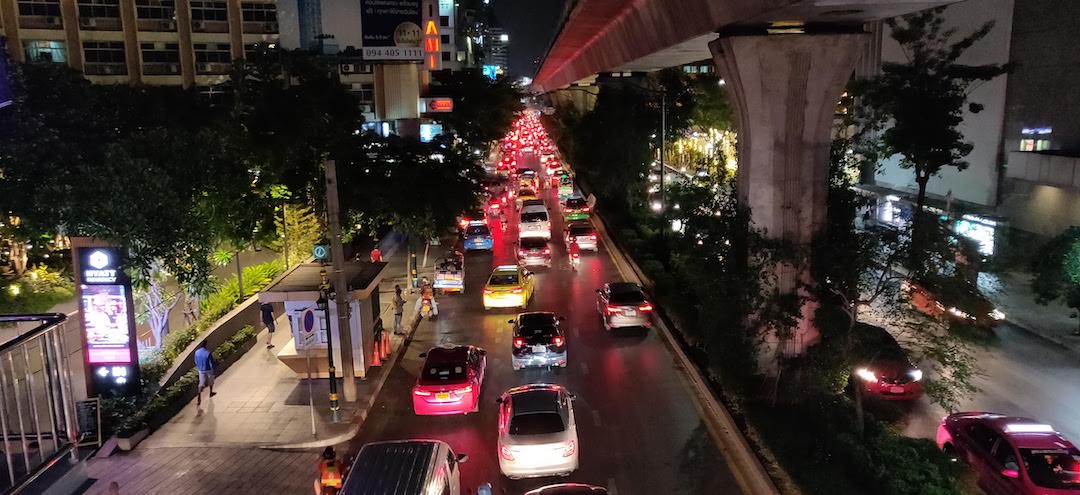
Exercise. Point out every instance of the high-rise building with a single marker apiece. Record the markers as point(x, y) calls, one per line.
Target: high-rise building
point(165, 42)
point(496, 47)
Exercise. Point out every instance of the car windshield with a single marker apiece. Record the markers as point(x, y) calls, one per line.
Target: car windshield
point(504, 279)
point(575, 203)
point(1053, 468)
point(526, 192)
point(437, 373)
point(582, 230)
point(536, 424)
point(537, 216)
point(627, 296)
point(565, 181)
point(477, 230)
point(544, 332)
point(533, 244)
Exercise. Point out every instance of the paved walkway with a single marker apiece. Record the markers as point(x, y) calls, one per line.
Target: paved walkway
point(260, 402)
point(1011, 293)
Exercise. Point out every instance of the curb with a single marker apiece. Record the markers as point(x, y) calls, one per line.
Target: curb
point(361, 414)
point(1044, 337)
point(745, 466)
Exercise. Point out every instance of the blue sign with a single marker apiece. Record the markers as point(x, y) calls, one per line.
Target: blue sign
point(320, 251)
point(492, 71)
point(6, 97)
point(429, 131)
point(308, 320)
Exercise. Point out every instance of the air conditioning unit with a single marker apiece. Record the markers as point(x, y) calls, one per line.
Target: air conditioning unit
point(52, 21)
point(348, 68)
point(108, 69)
point(198, 25)
point(168, 25)
point(206, 68)
point(88, 22)
point(174, 68)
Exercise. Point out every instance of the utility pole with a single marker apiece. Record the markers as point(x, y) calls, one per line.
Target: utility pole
point(341, 287)
point(239, 276)
point(663, 144)
point(285, 232)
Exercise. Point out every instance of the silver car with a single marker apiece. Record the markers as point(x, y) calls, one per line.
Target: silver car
point(584, 234)
point(537, 432)
point(623, 304)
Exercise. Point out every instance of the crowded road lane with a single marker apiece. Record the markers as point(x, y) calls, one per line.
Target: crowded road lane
point(640, 431)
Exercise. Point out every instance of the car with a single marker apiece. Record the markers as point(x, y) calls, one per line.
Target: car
point(882, 367)
point(472, 215)
point(509, 286)
point(623, 304)
point(533, 202)
point(534, 222)
point(537, 432)
point(538, 341)
point(566, 187)
point(496, 203)
point(925, 296)
point(569, 489)
point(576, 208)
point(423, 466)
point(533, 251)
point(524, 194)
point(478, 237)
point(450, 381)
point(584, 234)
point(1011, 455)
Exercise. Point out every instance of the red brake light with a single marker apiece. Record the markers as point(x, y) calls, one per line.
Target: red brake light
point(517, 290)
point(592, 237)
point(645, 307)
point(570, 448)
point(464, 390)
point(504, 452)
point(547, 251)
point(519, 342)
point(421, 393)
point(558, 341)
point(488, 291)
point(612, 309)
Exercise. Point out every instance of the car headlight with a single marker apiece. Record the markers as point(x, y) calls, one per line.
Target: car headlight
point(997, 315)
point(866, 375)
point(959, 313)
point(916, 375)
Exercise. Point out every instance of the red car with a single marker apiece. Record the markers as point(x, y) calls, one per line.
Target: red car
point(1012, 455)
point(450, 381)
point(882, 366)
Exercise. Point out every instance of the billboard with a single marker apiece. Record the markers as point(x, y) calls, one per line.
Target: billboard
point(5, 83)
point(492, 71)
point(107, 318)
point(391, 30)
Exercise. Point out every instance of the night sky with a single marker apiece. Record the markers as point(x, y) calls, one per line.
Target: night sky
point(531, 24)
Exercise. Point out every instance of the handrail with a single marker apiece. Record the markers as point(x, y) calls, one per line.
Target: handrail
point(42, 469)
point(48, 320)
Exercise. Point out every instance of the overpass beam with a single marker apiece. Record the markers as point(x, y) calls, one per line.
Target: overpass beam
point(784, 90)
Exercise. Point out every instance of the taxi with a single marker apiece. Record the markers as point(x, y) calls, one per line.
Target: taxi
point(524, 194)
point(509, 286)
point(576, 208)
point(566, 187)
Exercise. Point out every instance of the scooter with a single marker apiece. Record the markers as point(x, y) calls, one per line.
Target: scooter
point(428, 309)
point(575, 260)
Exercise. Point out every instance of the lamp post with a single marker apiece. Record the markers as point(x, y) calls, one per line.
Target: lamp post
point(323, 303)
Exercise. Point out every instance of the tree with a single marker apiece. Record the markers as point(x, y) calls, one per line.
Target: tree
point(1056, 270)
point(917, 106)
point(300, 230)
point(612, 146)
point(484, 109)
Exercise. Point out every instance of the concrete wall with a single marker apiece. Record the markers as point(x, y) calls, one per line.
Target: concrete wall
point(1042, 90)
point(978, 183)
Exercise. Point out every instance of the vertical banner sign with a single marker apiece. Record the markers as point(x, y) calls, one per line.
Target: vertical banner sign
point(431, 45)
point(6, 97)
point(108, 322)
point(391, 30)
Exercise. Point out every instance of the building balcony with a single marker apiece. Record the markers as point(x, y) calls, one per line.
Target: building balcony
point(260, 27)
point(100, 24)
point(1046, 168)
point(159, 25)
point(41, 22)
point(210, 26)
point(99, 69)
point(161, 69)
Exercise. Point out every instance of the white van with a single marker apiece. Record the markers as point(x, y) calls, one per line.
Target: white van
point(534, 222)
point(405, 467)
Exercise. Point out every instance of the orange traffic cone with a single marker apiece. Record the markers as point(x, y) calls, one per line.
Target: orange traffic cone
point(376, 355)
point(385, 345)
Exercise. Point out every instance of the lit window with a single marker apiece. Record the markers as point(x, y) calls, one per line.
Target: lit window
point(1042, 144)
point(1027, 145)
point(45, 51)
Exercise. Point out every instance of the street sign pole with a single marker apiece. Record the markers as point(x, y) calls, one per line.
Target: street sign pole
point(310, 395)
point(307, 325)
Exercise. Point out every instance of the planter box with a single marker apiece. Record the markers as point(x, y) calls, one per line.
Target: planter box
point(127, 444)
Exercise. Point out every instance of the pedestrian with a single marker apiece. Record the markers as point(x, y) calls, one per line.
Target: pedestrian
point(376, 254)
point(189, 310)
point(204, 362)
point(399, 310)
point(267, 310)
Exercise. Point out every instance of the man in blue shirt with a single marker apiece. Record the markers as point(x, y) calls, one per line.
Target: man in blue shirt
point(204, 362)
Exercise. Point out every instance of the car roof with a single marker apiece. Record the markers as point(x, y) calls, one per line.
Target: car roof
point(535, 400)
point(623, 287)
point(580, 225)
point(569, 489)
point(537, 318)
point(1024, 433)
point(448, 354)
point(390, 468)
point(505, 269)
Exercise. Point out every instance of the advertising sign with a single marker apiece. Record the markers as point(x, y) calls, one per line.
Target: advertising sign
point(491, 71)
point(391, 30)
point(105, 317)
point(5, 83)
point(436, 105)
point(108, 323)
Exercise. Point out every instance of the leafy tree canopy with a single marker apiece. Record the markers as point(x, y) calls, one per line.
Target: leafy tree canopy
point(484, 109)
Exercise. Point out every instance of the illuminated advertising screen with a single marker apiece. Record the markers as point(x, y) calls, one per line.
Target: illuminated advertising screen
point(105, 319)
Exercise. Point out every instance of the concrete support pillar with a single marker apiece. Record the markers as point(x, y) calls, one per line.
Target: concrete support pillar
point(69, 13)
point(9, 20)
point(784, 89)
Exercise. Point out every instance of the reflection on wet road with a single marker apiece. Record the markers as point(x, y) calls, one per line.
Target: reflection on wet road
point(639, 431)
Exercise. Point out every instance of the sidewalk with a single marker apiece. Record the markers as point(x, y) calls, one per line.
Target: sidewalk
point(260, 404)
point(1011, 294)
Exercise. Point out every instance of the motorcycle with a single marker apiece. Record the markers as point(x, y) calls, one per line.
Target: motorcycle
point(428, 309)
point(575, 260)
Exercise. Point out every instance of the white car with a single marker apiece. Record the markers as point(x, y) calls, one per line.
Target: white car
point(537, 432)
point(535, 222)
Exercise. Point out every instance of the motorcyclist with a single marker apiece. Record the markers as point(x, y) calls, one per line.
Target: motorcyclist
point(331, 473)
point(427, 293)
point(575, 252)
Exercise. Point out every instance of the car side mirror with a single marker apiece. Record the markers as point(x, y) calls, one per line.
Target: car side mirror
point(572, 396)
point(423, 354)
point(462, 458)
point(1010, 473)
point(499, 400)
point(511, 321)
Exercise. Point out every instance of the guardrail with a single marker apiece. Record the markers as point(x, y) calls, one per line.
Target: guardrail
point(38, 422)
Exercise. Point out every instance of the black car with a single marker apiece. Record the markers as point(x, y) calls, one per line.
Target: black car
point(538, 340)
point(534, 251)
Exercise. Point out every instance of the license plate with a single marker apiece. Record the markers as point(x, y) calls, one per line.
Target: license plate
point(896, 390)
point(539, 348)
point(629, 312)
point(442, 396)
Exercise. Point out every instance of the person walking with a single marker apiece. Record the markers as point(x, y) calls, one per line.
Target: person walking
point(204, 362)
point(267, 310)
point(399, 310)
point(376, 254)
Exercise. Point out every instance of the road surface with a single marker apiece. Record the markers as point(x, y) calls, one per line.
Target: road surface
point(639, 430)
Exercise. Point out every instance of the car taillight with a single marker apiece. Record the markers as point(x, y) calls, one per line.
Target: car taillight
point(547, 251)
point(421, 393)
point(592, 237)
point(521, 252)
point(645, 307)
point(505, 453)
point(519, 342)
point(488, 291)
point(467, 389)
point(612, 309)
point(569, 449)
point(517, 290)
point(585, 209)
point(558, 341)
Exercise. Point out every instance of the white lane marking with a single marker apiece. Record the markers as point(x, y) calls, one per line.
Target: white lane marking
point(596, 418)
point(584, 369)
point(611, 487)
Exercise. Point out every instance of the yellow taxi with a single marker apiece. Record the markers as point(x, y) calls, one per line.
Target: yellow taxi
point(509, 286)
point(525, 194)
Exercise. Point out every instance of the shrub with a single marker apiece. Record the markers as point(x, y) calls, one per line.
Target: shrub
point(36, 291)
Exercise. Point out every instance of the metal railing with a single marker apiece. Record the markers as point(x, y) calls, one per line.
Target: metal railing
point(38, 425)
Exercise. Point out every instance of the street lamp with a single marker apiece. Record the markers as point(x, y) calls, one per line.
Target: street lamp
point(323, 303)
